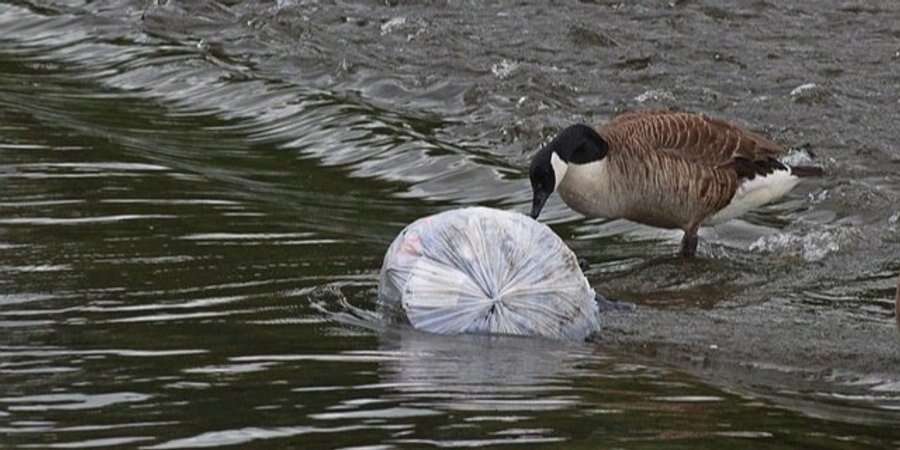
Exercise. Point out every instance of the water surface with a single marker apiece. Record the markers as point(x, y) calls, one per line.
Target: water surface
point(196, 197)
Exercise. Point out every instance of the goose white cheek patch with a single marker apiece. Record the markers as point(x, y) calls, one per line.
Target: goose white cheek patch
point(559, 168)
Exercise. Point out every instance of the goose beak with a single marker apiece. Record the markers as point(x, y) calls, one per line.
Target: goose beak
point(537, 203)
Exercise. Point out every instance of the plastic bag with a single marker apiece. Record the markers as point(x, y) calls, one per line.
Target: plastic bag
point(482, 270)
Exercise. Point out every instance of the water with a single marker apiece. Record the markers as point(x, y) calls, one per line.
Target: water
point(197, 196)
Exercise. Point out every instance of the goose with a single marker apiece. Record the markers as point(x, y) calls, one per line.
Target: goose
point(665, 169)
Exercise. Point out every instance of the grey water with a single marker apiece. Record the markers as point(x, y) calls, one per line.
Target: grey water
point(195, 197)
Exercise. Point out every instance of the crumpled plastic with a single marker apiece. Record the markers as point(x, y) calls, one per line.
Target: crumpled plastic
point(486, 271)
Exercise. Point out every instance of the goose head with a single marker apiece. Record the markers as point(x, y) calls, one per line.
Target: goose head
point(578, 144)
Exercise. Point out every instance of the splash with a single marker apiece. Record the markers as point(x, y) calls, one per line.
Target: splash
point(809, 245)
point(504, 69)
point(330, 301)
point(655, 95)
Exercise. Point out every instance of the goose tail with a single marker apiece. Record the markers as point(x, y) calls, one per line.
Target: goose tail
point(806, 171)
point(800, 160)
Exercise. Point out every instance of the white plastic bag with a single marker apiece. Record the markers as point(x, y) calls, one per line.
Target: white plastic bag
point(482, 270)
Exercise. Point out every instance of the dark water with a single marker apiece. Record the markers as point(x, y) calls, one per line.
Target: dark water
point(196, 197)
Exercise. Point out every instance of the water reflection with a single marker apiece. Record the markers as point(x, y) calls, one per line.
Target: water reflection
point(483, 373)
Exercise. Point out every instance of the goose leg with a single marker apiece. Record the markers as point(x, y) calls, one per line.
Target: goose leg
point(689, 243)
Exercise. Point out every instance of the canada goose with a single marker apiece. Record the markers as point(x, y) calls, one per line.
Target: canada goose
point(665, 169)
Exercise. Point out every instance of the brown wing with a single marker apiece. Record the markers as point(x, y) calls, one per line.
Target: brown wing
point(641, 114)
point(694, 137)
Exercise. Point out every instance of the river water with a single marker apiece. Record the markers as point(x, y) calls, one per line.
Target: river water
point(196, 197)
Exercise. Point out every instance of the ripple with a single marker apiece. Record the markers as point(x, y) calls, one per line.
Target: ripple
point(387, 413)
point(8, 351)
point(49, 221)
point(249, 434)
point(170, 201)
point(39, 370)
point(746, 434)
point(245, 236)
point(23, 298)
point(197, 303)
point(70, 402)
point(689, 399)
point(295, 117)
point(176, 317)
point(471, 443)
point(90, 167)
point(349, 357)
point(36, 268)
point(31, 204)
point(230, 368)
point(94, 443)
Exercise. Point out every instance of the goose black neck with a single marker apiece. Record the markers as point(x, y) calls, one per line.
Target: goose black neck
point(578, 144)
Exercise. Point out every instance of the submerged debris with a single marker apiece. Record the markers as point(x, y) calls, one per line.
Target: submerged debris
point(486, 271)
